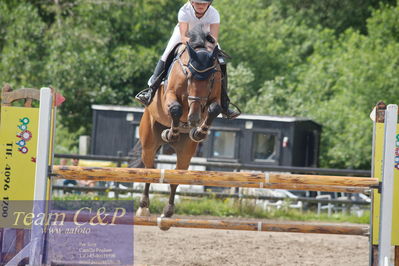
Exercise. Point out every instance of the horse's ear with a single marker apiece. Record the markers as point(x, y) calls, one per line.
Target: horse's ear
point(191, 51)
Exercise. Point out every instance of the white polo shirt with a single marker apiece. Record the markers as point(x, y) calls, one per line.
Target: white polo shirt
point(187, 14)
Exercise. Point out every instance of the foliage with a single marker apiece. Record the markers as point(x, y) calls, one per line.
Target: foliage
point(103, 54)
point(361, 71)
point(327, 60)
point(21, 45)
point(338, 86)
point(66, 142)
point(240, 80)
point(260, 38)
point(333, 14)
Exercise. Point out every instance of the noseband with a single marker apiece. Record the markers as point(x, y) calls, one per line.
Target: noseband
point(187, 70)
point(202, 100)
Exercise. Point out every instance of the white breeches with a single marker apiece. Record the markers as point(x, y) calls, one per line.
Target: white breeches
point(174, 40)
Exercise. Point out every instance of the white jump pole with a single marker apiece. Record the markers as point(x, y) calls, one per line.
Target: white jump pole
point(384, 249)
point(42, 164)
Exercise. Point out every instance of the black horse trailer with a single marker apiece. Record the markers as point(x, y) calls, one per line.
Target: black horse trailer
point(249, 139)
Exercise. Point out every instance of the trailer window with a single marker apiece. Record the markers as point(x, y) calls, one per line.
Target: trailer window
point(264, 147)
point(224, 144)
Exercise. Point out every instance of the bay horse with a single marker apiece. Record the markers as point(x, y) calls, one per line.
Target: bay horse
point(183, 109)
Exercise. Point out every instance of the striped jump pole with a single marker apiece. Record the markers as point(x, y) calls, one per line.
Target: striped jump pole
point(221, 179)
point(260, 226)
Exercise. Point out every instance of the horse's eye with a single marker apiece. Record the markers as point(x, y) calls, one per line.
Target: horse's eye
point(210, 39)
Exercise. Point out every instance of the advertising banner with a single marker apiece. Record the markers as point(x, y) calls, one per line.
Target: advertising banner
point(18, 138)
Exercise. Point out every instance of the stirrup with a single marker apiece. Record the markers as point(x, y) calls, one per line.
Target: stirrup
point(142, 98)
point(233, 115)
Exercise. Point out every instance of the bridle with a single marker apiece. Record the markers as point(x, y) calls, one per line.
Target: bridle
point(202, 100)
point(189, 76)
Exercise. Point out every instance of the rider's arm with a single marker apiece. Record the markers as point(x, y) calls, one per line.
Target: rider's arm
point(215, 31)
point(183, 32)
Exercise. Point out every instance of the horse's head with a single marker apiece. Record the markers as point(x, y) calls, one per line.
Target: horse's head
point(202, 64)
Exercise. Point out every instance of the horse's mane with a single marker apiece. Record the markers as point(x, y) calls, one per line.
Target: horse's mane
point(198, 37)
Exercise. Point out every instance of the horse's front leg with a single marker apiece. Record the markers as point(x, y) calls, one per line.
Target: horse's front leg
point(144, 205)
point(200, 133)
point(170, 208)
point(185, 150)
point(172, 135)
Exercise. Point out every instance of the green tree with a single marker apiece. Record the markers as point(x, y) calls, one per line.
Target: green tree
point(333, 14)
point(343, 80)
point(259, 37)
point(21, 43)
point(102, 53)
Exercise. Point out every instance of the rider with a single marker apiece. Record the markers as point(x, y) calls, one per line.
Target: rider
point(190, 14)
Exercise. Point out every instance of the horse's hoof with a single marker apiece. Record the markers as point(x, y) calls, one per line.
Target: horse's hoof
point(144, 202)
point(168, 137)
point(164, 135)
point(192, 135)
point(143, 212)
point(168, 211)
point(162, 226)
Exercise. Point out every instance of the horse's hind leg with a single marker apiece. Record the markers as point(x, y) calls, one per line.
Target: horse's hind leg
point(169, 209)
point(148, 160)
point(150, 142)
point(185, 150)
point(144, 207)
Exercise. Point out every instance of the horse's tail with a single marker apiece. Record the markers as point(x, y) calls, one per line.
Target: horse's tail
point(136, 161)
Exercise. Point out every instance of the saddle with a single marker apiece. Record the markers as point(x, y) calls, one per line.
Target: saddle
point(173, 55)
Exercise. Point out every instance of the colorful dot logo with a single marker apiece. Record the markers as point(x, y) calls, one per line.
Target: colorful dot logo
point(25, 135)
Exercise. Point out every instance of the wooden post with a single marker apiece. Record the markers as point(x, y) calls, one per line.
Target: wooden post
point(118, 164)
point(20, 239)
point(1, 244)
point(380, 112)
point(374, 255)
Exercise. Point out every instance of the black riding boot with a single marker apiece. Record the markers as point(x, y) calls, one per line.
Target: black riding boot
point(145, 96)
point(224, 98)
